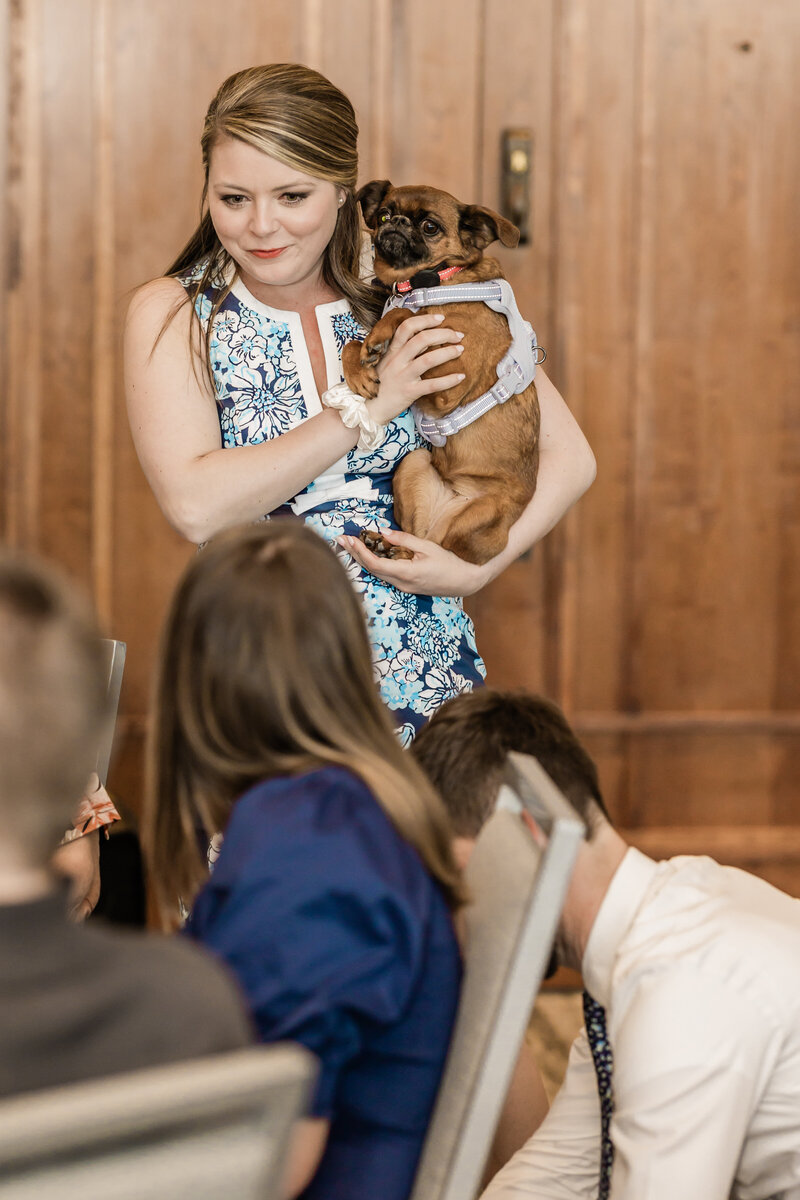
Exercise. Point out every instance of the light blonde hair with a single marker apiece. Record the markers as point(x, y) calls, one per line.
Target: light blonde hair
point(52, 703)
point(265, 670)
point(297, 116)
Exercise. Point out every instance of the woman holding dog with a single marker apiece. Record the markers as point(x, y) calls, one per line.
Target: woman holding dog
point(227, 357)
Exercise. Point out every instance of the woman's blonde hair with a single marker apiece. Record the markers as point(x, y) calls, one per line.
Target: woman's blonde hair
point(265, 670)
point(297, 116)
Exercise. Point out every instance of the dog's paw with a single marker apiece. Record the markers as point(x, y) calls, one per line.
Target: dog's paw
point(373, 352)
point(364, 381)
point(360, 379)
point(374, 540)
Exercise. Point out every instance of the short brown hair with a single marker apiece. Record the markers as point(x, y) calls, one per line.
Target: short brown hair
point(266, 670)
point(464, 746)
point(52, 703)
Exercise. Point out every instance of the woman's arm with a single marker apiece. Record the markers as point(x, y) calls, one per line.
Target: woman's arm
point(306, 1146)
point(566, 470)
point(202, 487)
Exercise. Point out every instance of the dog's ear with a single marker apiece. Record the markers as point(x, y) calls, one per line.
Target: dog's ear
point(482, 226)
point(370, 197)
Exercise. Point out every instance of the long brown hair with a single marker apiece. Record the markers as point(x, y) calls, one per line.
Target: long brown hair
point(265, 670)
point(297, 116)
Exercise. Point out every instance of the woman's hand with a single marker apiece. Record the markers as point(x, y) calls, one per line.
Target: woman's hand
point(419, 343)
point(432, 571)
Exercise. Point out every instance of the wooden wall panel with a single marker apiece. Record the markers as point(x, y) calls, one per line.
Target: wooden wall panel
point(677, 295)
point(516, 616)
point(595, 214)
point(23, 268)
point(717, 370)
point(66, 284)
point(436, 93)
point(5, 254)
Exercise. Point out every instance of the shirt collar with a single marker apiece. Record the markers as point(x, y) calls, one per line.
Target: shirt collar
point(614, 918)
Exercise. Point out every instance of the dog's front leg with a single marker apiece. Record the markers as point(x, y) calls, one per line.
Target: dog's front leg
point(360, 359)
point(416, 487)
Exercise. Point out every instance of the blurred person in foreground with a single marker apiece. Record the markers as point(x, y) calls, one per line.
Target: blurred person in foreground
point(75, 1001)
point(685, 1081)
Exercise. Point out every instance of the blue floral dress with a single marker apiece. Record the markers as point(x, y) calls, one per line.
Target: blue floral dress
point(423, 647)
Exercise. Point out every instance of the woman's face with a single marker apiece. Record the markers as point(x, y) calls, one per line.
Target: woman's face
point(273, 220)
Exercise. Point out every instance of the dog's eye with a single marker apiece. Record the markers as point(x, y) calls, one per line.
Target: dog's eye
point(429, 227)
point(384, 215)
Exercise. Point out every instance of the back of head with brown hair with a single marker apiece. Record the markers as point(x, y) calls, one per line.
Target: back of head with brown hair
point(266, 670)
point(52, 704)
point(464, 747)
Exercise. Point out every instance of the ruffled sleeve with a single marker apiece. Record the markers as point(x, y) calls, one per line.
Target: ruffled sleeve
point(95, 811)
point(320, 909)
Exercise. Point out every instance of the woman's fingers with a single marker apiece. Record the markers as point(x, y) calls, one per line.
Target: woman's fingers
point(412, 325)
point(394, 570)
point(419, 344)
point(398, 537)
point(439, 383)
point(418, 334)
point(430, 341)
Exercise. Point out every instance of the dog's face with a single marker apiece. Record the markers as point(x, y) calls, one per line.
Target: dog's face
point(418, 228)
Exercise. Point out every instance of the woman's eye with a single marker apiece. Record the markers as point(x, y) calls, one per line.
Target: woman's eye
point(430, 227)
point(293, 197)
point(233, 200)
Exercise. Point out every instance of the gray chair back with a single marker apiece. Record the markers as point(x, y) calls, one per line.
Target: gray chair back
point(517, 877)
point(199, 1130)
point(115, 652)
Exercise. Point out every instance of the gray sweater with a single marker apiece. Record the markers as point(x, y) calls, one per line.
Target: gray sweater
point(81, 1001)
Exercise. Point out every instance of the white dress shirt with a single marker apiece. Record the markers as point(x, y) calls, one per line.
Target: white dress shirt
point(698, 967)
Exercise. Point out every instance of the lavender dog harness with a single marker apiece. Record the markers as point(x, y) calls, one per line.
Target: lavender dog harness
point(515, 370)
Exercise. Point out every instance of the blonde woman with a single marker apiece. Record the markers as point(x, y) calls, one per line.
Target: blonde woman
point(332, 896)
point(229, 355)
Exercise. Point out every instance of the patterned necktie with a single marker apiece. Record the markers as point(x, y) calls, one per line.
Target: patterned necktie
point(595, 1017)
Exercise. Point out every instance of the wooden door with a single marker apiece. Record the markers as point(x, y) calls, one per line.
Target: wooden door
point(662, 277)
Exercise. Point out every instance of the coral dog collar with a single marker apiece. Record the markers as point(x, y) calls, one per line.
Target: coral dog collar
point(426, 279)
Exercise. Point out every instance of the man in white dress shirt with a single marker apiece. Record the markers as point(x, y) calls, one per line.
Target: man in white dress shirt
point(697, 967)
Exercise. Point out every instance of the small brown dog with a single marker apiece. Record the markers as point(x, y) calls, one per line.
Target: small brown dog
point(466, 493)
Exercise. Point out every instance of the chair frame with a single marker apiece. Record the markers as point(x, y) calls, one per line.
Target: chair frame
point(166, 1127)
point(453, 1161)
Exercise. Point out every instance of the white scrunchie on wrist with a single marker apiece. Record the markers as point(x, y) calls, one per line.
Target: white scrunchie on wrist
point(355, 415)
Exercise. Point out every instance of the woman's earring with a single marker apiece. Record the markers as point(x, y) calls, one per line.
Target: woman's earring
point(342, 200)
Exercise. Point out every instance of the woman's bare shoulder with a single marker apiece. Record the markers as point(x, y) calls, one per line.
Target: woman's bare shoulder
point(157, 299)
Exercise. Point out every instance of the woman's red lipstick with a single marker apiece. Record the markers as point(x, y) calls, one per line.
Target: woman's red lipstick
point(268, 253)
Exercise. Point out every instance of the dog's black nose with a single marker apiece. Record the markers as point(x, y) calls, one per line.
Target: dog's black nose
point(398, 221)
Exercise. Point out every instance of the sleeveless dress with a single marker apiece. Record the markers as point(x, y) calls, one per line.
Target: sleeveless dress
point(423, 647)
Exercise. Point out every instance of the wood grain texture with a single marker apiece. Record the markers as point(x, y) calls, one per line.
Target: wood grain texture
point(23, 260)
point(5, 262)
point(595, 214)
point(717, 365)
point(517, 616)
point(103, 328)
point(66, 284)
point(436, 92)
